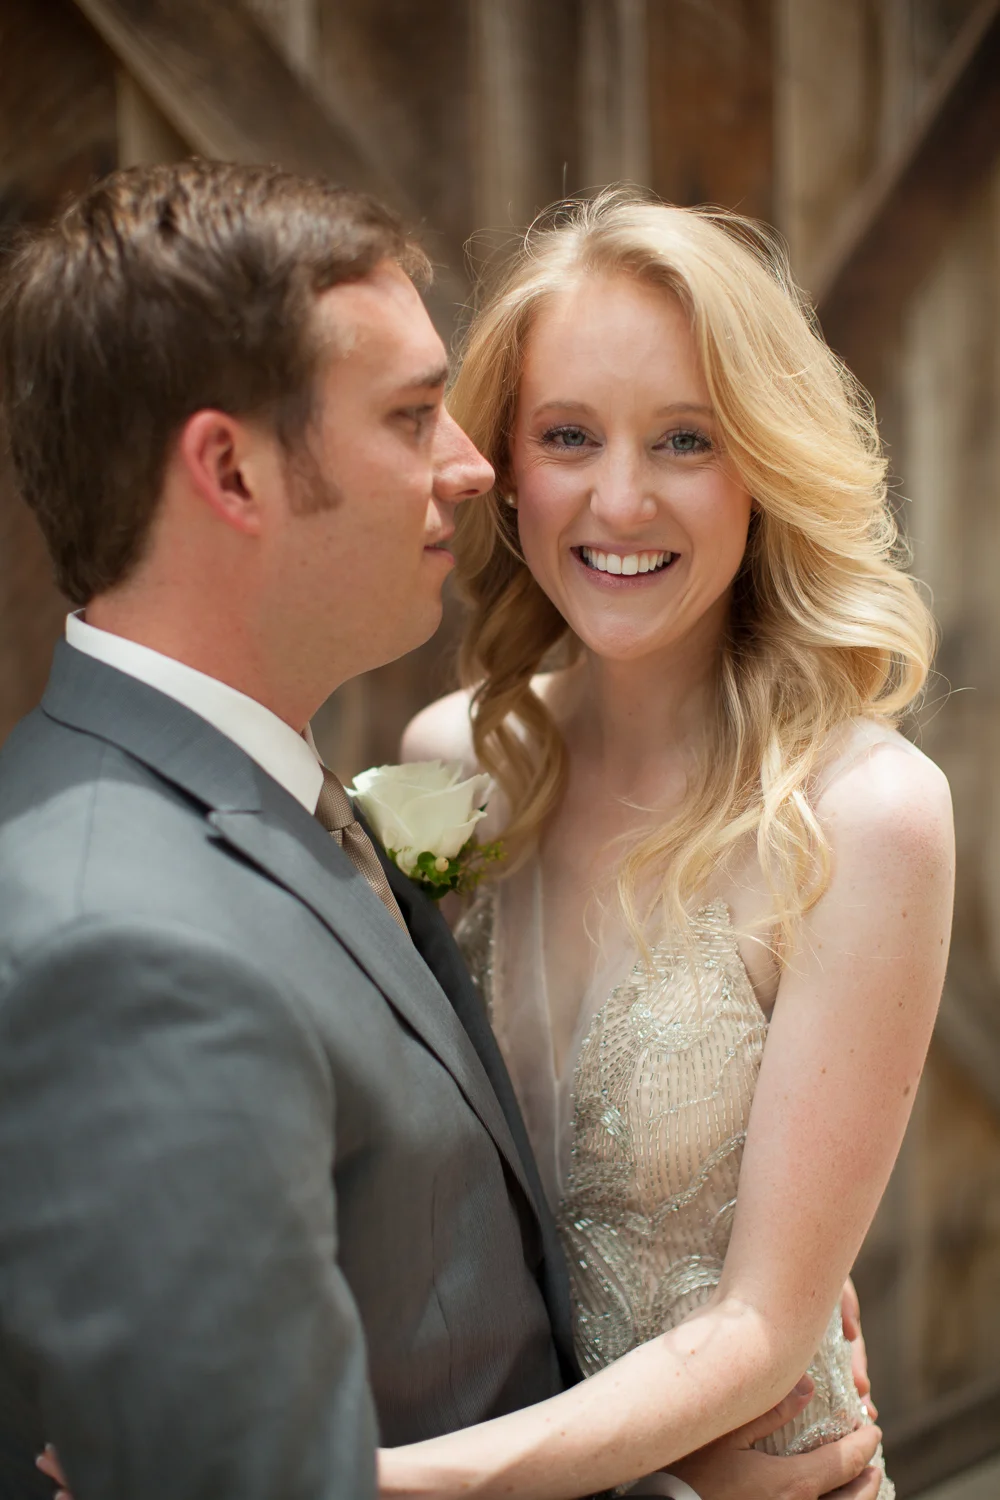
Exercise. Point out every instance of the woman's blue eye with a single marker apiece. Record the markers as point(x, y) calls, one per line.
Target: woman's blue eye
point(565, 437)
point(683, 442)
point(688, 442)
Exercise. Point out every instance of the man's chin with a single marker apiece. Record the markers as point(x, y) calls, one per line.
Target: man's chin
point(431, 621)
point(417, 632)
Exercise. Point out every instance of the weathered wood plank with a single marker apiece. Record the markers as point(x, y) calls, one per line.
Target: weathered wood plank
point(57, 106)
point(406, 72)
point(949, 1437)
point(899, 222)
point(827, 95)
point(614, 92)
point(145, 135)
point(524, 108)
point(224, 86)
point(57, 134)
point(711, 102)
point(219, 80)
point(295, 25)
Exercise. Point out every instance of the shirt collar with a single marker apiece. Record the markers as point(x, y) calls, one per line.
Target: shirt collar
point(291, 759)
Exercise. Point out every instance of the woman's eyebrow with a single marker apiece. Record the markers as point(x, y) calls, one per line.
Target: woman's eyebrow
point(678, 406)
point(562, 405)
point(671, 409)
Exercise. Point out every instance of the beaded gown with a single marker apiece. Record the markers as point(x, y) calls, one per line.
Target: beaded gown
point(639, 1142)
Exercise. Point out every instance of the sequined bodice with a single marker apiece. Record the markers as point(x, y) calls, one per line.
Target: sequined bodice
point(662, 1082)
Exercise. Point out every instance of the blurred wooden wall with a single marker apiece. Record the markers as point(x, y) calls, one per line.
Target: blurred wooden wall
point(888, 189)
point(869, 131)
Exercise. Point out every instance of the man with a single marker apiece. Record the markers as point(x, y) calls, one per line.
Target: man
point(266, 1197)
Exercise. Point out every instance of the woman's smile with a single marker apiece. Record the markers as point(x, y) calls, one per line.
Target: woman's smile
point(618, 568)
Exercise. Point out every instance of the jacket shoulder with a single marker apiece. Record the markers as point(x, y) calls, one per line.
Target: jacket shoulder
point(84, 829)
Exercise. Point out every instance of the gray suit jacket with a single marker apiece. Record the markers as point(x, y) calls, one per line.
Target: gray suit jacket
point(265, 1198)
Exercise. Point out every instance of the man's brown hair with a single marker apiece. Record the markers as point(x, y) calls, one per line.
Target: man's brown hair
point(161, 291)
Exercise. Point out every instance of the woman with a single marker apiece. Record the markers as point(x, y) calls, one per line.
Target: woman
point(729, 877)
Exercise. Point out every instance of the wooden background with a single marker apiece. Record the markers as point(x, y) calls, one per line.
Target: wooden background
point(869, 132)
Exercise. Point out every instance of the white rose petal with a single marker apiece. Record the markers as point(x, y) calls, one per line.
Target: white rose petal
point(422, 807)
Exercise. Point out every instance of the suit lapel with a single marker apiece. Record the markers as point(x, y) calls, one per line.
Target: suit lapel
point(290, 846)
point(436, 946)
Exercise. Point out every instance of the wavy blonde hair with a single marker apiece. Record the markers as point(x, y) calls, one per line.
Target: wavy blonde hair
point(825, 625)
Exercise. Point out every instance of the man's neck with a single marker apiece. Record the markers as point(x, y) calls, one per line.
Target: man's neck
point(222, 649)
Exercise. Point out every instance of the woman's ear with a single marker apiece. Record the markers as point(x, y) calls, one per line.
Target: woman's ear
point(218, 455)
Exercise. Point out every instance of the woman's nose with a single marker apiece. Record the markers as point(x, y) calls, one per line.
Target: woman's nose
point(619, 495)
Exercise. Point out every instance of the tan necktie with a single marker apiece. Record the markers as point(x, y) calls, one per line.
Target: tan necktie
point(335, 813)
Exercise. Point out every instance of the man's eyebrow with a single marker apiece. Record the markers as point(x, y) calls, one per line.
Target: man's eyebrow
point(433, 379)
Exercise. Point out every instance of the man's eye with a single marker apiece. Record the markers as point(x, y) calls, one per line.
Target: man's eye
point(564, 437)
point(419, 416)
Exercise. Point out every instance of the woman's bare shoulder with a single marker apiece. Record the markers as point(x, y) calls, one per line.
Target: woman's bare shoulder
point(882, 793)
point(442, 731)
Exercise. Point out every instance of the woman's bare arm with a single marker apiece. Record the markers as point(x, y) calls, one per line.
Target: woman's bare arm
point(848, 1037)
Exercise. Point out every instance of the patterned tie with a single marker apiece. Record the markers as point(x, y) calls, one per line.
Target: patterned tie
point(336, 815)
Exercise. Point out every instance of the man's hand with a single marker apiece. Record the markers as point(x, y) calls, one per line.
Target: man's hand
point(49, 1464)
point(731, 1469)
point(850, 1314)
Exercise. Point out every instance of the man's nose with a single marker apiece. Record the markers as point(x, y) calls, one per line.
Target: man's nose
point(460, 470)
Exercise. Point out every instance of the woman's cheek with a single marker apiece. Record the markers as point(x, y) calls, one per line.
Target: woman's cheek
point(540, 544)
point(719, 518)
point(540, 548)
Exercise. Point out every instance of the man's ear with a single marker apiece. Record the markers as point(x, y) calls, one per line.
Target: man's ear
point(218, 455)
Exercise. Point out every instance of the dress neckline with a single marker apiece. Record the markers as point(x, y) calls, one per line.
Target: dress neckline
point(522, 1015)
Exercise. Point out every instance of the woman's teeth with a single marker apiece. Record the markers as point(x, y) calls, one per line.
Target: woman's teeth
point(632, 562)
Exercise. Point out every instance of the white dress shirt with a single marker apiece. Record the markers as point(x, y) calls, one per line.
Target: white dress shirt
point(292, 759)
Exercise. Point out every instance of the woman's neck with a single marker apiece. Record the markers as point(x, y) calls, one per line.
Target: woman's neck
point(636, 721)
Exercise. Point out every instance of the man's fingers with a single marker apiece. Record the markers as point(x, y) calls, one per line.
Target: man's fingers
point(865, 1487)
point(48, 1462)
point(850, 1311)
point(838, 1464)
point(850, 1317)
point(859, 1368)
point(772, 1420)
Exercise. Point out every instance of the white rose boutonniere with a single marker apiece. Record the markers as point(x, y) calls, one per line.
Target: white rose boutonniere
point(424, 814)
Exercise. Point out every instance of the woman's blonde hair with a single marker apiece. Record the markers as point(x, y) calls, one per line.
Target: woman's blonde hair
point(825, 625)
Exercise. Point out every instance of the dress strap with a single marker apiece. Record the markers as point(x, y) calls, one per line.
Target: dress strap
point(860, 738)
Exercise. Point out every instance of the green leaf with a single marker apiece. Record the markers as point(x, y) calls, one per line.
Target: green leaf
point(463, 874)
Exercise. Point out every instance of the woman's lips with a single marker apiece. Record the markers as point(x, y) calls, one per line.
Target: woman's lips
point(624, 569)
